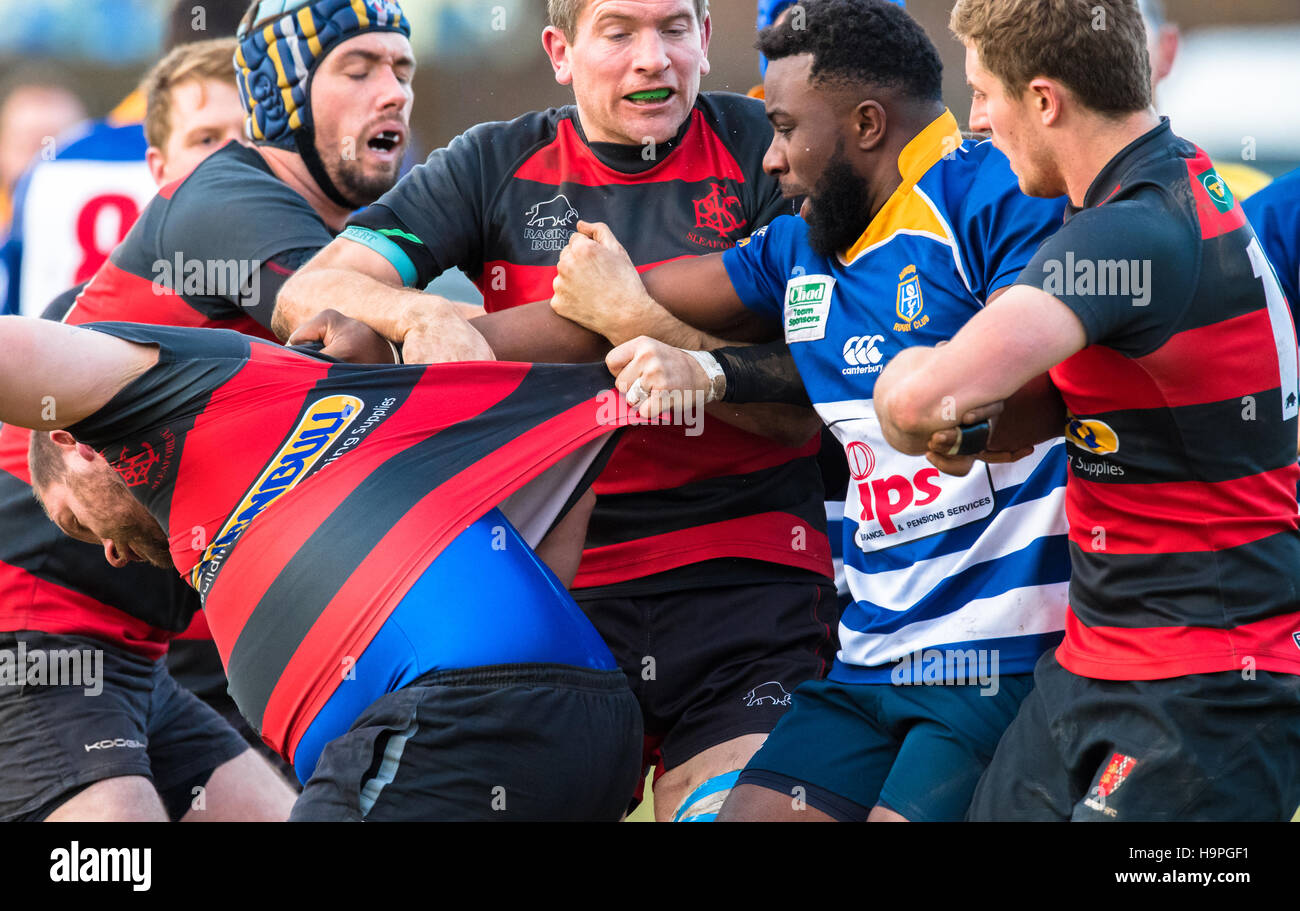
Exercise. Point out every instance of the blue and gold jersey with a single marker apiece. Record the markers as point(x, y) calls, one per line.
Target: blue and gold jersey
point(933, 562)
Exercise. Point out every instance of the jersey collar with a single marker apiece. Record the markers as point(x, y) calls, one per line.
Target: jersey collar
point(941, 137)
point(1109, 178)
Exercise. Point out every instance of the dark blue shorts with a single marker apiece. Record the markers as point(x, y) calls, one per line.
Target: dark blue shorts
point(918, 750)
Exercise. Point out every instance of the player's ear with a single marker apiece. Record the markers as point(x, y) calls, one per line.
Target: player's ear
point(706, 33)
point(869, 125)
point(1045, 97)
point(557, 51)
point(63, 439)
point(154, 159)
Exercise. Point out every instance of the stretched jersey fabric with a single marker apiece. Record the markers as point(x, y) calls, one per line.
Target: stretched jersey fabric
point(70, 212)
point(303, 499)
point(932, 561)
point(1182, 438)
point(1274, 213)
point(501, 201)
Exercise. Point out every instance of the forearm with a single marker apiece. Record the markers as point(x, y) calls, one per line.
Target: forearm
point(388, 310)
point(761, 373)
point(533, 333)
point(789, 425)
point(652, 319)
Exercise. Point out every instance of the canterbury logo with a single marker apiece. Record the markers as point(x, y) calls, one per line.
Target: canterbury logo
point(322, 425)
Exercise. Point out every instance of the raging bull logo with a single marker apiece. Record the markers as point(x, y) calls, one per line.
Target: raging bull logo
point(770, 693)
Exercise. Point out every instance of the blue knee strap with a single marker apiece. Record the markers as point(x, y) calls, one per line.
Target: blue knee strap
point(724, 782)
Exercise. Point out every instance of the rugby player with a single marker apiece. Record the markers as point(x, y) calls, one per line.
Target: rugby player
point(383, 624)
point(71, 211)
point(908, 232)
point(1176, 692)
point(57, 593)
point(707, 566)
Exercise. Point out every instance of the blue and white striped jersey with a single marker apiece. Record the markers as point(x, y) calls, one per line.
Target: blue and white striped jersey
point(933, 562)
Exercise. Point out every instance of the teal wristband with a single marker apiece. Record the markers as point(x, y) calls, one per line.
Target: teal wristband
point(396, 256)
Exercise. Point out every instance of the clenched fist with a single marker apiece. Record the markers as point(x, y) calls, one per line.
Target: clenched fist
point(596, 285)
point(656, 378)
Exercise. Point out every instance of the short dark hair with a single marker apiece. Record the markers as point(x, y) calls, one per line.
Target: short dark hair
point(220, 20)
point(859, 42)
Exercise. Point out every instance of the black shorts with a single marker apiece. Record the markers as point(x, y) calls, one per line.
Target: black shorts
point(196, 665)
point(508, 742)
point(713, 664)
point(1223, 746)
point(126, 717)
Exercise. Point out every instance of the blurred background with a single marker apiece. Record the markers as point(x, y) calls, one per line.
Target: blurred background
point(1234, 87)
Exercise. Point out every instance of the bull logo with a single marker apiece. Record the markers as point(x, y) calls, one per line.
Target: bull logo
point(770, 693)
point(554, 213)
point(714, 211)
point(135, 469)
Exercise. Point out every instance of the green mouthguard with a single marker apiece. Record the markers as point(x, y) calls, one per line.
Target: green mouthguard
point(655, 95)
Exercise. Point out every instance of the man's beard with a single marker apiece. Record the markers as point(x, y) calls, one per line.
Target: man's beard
point(839, 205)
point(352, 181)
point(130, 523)
point(141, 532)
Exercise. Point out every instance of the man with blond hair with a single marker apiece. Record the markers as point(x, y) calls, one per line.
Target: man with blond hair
point(192, 108)
point(1176, 692)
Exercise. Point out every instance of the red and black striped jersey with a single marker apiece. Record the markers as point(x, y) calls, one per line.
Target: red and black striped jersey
point(181, 265)
point(1182, 433)
point(303, 498)
point(177, 266)
point(500, 203)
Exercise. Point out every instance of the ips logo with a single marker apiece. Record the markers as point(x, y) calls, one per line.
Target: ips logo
point(321, 426)
point(1220, 195)
point(885, 498)
point(1092, 435)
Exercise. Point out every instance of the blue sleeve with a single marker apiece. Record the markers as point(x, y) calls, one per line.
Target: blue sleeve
point(1274, 213)
point(1001, 227)
point(760, 265)
point(11, 251)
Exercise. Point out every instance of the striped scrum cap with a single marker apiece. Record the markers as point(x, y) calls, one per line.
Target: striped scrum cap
point(280, 45)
